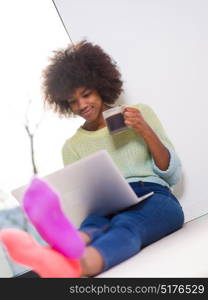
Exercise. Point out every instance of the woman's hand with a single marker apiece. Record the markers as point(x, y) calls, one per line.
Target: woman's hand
point(134, 119)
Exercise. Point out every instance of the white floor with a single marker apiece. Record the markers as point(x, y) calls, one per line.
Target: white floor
point(183, 253)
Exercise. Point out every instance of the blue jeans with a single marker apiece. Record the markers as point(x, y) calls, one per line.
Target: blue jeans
point(122, 235)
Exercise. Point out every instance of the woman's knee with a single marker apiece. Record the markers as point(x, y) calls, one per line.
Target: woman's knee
point(179, 217)
point(173, 213)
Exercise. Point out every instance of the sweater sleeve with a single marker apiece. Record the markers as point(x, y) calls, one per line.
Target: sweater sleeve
point(173, 173)
point(69, 156)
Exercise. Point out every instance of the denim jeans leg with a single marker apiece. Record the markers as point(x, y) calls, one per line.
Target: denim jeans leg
point(95, 226)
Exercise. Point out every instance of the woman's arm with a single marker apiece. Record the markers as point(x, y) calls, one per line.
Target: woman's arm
point(159, 152)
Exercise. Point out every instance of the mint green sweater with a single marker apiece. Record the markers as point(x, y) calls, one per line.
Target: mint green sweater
point(127, 149)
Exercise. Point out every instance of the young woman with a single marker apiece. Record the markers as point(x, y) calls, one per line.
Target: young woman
point(83, 80)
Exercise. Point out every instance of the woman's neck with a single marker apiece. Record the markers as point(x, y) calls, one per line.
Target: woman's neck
point(93, 126)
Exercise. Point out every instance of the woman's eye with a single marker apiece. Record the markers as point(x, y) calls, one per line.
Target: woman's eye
point(86, 95)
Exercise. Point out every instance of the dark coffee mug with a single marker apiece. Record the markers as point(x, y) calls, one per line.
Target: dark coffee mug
point(114, 119)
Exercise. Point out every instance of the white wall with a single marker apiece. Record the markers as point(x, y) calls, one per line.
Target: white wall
point(161, 48)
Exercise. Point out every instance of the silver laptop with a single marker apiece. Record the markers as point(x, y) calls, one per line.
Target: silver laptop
point(92, 185)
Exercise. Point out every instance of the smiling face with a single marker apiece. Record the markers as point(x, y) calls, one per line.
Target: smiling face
point(88, 104)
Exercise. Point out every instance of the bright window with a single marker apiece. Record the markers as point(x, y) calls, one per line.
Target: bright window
point(30, 31)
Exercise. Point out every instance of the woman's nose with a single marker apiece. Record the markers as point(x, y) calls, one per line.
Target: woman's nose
point(82, 104)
